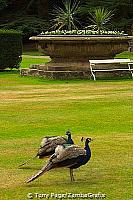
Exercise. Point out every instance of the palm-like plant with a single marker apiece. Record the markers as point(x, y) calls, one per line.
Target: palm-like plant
point(100, 17)
point(65, 16)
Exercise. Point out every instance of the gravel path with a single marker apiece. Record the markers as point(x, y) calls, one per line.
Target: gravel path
point(28, 56)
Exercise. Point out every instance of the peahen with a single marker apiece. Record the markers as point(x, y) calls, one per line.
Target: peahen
point(48, 145)
point(72, 157)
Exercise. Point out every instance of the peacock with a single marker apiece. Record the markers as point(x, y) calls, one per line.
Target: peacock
point(48, 145)
point(72, 157)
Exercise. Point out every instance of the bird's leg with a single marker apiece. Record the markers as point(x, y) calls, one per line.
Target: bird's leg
point(71, 175)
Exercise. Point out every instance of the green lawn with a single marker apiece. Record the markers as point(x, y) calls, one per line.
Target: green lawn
point(31, 108)
point(125, 55)
point(29, 60)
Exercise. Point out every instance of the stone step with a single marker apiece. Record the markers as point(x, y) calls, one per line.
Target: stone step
point(59, 68)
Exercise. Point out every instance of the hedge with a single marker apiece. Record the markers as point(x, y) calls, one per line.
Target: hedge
point(10, 49)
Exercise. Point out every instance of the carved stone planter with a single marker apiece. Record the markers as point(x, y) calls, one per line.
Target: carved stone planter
point(72, 53)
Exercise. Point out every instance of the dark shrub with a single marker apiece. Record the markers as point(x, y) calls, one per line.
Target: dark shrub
point(10, 49)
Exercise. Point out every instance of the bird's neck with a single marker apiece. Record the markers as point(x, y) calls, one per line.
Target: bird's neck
point(70, 141)
point(88, 151)
point(69, 137)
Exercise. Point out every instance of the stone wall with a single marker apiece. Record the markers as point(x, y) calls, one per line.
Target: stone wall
point(68, 75)
point(57, 75)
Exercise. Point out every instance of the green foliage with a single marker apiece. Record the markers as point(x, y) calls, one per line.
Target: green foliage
point(65, 16)
point(112, 4)
point(122, 11)
point(3, 4)
point(100, 17)
point(66, 12)
point(10, 49)
point(28, 25)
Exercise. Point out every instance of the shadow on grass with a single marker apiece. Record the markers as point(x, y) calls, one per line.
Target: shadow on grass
point(8, 71)
point(30, 168)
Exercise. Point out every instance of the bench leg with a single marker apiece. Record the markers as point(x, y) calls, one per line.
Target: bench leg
point(131, 73)
point(93, 74)
point(130, 70)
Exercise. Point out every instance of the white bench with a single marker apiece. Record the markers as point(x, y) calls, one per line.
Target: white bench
point(95, 63)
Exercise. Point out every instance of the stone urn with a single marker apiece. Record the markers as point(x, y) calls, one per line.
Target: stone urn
point(72, 53)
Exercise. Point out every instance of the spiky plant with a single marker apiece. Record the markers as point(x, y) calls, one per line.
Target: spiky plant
point(100, 17)
point(65, 16)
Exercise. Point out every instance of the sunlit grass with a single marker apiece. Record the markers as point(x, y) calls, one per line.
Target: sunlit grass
point(125, 54)
point(27, 61)
point(31, 108)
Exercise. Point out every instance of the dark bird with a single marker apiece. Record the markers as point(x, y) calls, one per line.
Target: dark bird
point(48, 145)
point(72, 157)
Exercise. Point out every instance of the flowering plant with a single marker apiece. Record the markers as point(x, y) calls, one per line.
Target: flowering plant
point(82, 32)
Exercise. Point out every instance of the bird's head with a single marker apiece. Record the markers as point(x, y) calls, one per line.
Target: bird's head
point(87, 140)
point(68, 133)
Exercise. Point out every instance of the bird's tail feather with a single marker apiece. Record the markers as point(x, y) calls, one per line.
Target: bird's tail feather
point(42, 171)
point(27, 161)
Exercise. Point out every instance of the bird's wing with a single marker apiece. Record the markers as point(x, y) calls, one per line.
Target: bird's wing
point(49, 144)
point(54, 140)
point(46, 140)
point(63, 157)
point(69, 152)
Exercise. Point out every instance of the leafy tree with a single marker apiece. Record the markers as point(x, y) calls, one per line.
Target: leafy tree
point(3, 4)
point(32, 7)
point(27, 16)
point(39, 10)
point(28, 25)
point(39, 7)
